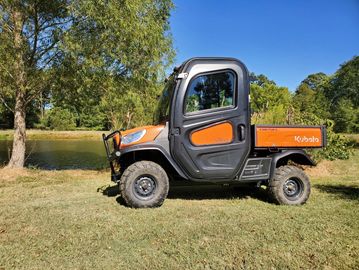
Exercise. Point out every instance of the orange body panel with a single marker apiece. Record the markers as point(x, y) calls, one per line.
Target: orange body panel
point(217, 134)
point(288, 137)
point(151, 134)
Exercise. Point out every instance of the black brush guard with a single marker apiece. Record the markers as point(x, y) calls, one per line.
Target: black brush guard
point(115, 154)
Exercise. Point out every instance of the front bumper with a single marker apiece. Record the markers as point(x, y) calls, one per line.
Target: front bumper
point(112, 152)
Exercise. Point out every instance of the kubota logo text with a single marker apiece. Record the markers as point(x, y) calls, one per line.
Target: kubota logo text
point(302, 139)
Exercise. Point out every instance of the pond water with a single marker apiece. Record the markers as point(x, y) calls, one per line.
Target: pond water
point(60, 154)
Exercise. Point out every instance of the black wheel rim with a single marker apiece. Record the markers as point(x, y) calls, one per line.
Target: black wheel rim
point(144, 186)
point(293, 188)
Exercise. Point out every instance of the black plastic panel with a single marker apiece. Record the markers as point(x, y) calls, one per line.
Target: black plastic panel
point(257, 169)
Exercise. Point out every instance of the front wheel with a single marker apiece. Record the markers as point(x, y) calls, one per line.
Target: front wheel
point(289, 186)
point(144, 184)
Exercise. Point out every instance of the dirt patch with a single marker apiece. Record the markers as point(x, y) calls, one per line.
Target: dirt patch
point(324, 168)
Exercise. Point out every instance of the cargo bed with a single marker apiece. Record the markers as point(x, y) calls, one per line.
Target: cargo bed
point(286, 137)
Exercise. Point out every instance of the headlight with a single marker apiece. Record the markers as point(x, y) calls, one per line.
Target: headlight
point(133, 137)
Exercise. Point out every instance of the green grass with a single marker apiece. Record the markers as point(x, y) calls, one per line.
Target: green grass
point(36, 134)
point(62, 220)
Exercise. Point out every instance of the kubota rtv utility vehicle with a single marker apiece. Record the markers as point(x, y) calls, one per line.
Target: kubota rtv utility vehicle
point(202, 132)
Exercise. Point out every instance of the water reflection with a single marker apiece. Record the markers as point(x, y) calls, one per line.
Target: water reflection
point(60, 154)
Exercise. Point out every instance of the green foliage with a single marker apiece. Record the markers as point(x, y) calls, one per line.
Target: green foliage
point(60, 119)
point(276, 115)
point(266, 96)
point(270, 104)
point(338, 146)
point(346, 116)
point(309, 96)
point(116, 54)
point(345, 83)
point(80, 53)
point(316, 81)
point(125, 110)
point(36, 50)
point(343, 94)
point(334, 98)
point(93, 118)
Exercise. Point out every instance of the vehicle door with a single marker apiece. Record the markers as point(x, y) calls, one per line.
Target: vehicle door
point(210, 118)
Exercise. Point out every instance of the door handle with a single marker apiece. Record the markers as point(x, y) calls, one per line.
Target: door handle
point(242, 132)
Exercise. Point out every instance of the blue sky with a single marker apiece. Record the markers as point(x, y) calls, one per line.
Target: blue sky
point(285, 40)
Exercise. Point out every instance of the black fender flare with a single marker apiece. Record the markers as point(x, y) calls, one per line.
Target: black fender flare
point(154, 147)
point(298, 156)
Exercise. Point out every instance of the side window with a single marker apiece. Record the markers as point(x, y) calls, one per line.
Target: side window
point(210, 91)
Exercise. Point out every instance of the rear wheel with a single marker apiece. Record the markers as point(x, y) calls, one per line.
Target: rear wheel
point(144, 184)
point(289, 185)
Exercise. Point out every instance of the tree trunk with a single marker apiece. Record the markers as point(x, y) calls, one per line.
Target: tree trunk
point(18, 149)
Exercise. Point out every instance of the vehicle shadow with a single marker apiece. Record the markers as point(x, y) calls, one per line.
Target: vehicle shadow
point(112, 191)
point(342, 191)
point(109, 191)
point(215, 192)
point(202, 192)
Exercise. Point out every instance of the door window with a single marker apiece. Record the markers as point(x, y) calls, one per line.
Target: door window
point(210, 91)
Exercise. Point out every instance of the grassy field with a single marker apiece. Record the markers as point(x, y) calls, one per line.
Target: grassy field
point(36, 134)
point(75, 220)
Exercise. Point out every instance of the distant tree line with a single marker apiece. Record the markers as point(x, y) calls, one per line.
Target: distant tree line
point(328, 97)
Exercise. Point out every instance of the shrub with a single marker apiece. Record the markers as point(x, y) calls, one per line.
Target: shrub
point(60, 119)
point(93, 119)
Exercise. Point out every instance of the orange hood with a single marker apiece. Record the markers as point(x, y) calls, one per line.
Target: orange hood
point(151, 134)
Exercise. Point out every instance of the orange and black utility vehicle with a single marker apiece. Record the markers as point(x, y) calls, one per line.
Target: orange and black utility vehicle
point(202, 132)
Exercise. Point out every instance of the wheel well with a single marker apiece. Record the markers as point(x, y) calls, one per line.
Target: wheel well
point(296, 158)
point(150, 155)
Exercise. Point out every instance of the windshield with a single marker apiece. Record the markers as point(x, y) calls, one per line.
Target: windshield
point(162, 111)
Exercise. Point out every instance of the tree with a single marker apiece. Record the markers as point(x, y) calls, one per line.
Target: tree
point(260, 79)
point(304, 98)
point(310, 98)
point(345, 83)
point(316, 81)
point(29, 35)
point(345, 117)
point(100, 42)
point(343, 95)
point(120, 52)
